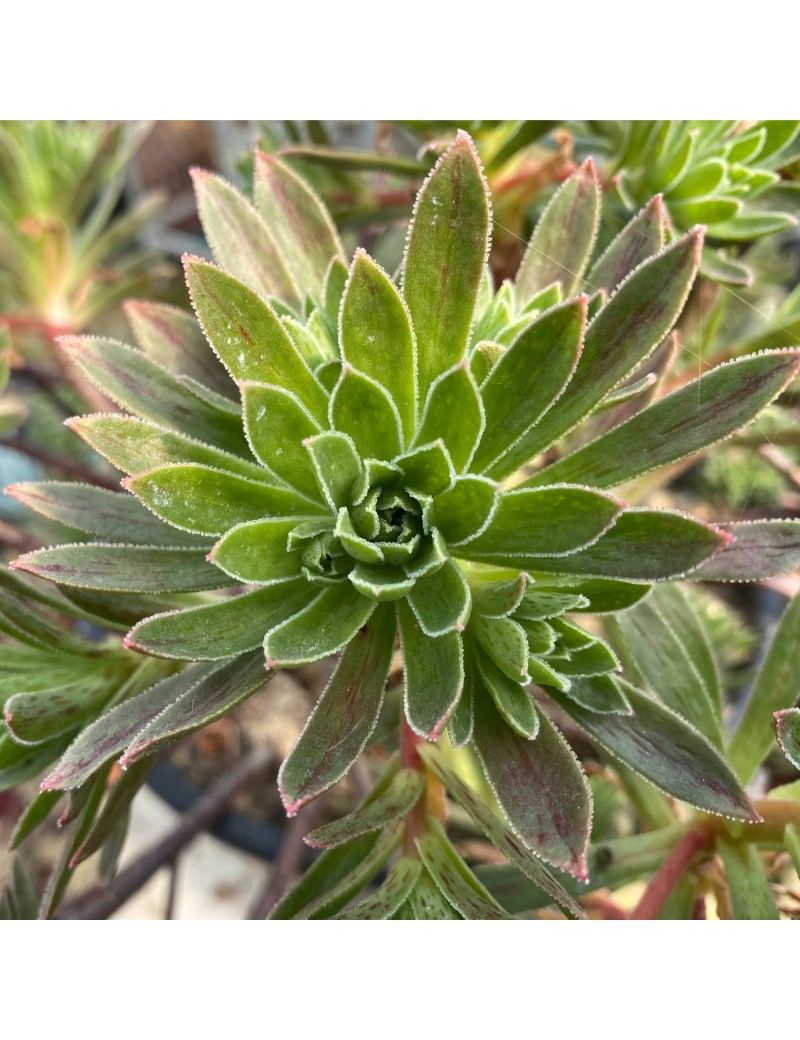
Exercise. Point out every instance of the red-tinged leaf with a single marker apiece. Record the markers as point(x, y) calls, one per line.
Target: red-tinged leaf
point(525, 383)
point(403, 793)
point(298, 222)
point(644, 545)
point(777, 686)
point(96, 511)
point(36, 716)
point(248, 335)
point(562, 242)
point(448, 241)
point(497, 832)
point(276, 425)
point(215, 694)
point(758, 549)
point(144, 388)
point(361, 409)
point(124, 568)
point(433, 676)
point(209, 501)
point(389, 896)
point(703, 412)
point(453, 393)
point(787, 730)
point(114, 811)
point(218, 630)
point(377, 338)
point(623, 334)
point(327, 624)
point(665, 749)
point(454, 879)
point(643, 237)
point(539, 785)
point(133, 445)
point(173, 339)
point(345, 715)
point(110, 734)
point(240, 239)
point(538, 523)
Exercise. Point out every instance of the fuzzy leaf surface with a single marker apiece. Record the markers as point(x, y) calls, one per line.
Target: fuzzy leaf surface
point(404, 792)
point(751, 899)
point(454, 414)
point(759, 549)
point(433, 676)
point(787, 729)
point(454, 879)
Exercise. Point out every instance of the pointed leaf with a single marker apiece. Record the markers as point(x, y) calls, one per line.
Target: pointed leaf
point(499, 598)
point(454, 879)
point(389, 896)
point(383, 584)
point(124, 568)
point(361, 408)
point(466, 509)
point(512, 700)
point(505, 642)
point(276, 424)
point(344, 717)
point(297, 221)
point(433, 675)
point(598, 693)
point(561, 245)
point(327, 624)
point(759, 549)
point(239, 238)
point(377, 338)
point(668, 751)
point(427, 470)
point(643, 237)
point(525, 383)
point(172, 338)
point(787, 729)
point(248, 336)
point(218, 630)
point(257, 552)
point(427, 902)
point(114, 811)
point(34, 717)
point(337, 467)
point(403, 793)
point(454, 414)
point(703, 412)
point(441, 601)
point(448, 241)
point(367, 866)
point(539, 785)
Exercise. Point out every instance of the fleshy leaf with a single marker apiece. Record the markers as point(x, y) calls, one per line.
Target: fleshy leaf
point(454, 414)
point(504, 641)
point(389, 896)
point(377, 338)
point(643, 237)
point(218, 630)
point(759, 549)
point(427, 470)
point(511, 699)
point(464, 510)
point(787, 728)
point(441, 601)
point(172, 338)
point(33, 717)
point(454, 879)
point(598, 693)
point(327, 624)
point(433, 675)
point(403, 793)
point(257, 552)
point(344, 717)
point(337, 466)
point(539, 785)
point(499, 598)
point(668, 751)
point(362, 409)
point(525, 383)
point(700, 414)
point(427, 902)
point(448, 240)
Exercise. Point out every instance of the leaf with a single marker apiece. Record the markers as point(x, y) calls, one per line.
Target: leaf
point(668, 751)
point(499, 598)
point(381, 583)
point(759, 549)
point(248, 336)
point(389, 896)
point(33, 717)
point(512, 700)
point(210, 501)
point(751, 899)
point(453, 393)
point(598, 693)
point(427, 902)
point(216, 693)
point(562, 242)
point(776, 686)
point(97, 511)
point(377, 337)
point(361, 409)
point(466, 509)
point(640, 239)
point(441, 601)
point(539, 786)
point(366, 867)
point(703, 412)
point(525, 383)
point(505, 642)
point(218, 630)
point(533, 524)
point(497, 832)
point(342, 721)
point(787, 729)
point(133, 445)
point(337, 467)
point(623, 334)
point(139, 385)
point(21, 762)
point(433, 675)
point(454, 879)
point(276, 424)
point(297, 221)
point(403, 793)
point(746, 226)
point(257, 552)
point(427, 470)
point(36, 813)
point(327, 624)
point(668, 668)
point(123, 568)
point(239, 238)
point(115, 810)
point(109, 735)
point(447, 245)
point(644, 545)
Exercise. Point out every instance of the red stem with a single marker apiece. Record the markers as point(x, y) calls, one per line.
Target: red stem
point(668, 875)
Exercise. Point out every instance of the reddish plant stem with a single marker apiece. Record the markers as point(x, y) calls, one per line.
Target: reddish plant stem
point(668, 875)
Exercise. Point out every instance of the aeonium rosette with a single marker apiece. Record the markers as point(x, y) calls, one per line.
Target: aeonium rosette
point(372, 460)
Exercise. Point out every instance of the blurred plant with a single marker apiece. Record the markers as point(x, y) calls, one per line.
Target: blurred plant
point(323, 483)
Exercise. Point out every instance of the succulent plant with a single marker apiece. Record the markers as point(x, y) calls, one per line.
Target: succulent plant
point(372, 461)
